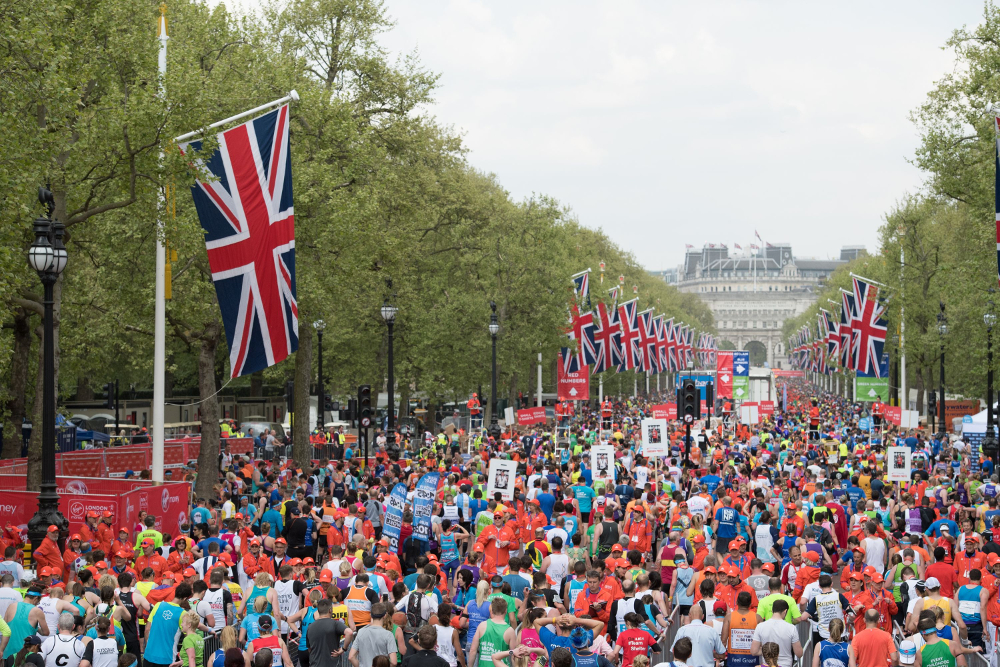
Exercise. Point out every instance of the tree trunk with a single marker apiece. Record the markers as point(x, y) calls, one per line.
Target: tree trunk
point(257, 384)
point(208, 458)
point(84, 392)
point(17, 403)
point(301, 449)
point(512, 391)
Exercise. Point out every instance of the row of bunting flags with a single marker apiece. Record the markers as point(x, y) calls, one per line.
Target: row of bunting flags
point(855, 342)
point(621, 337)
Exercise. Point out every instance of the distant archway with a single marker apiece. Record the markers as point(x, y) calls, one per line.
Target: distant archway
point(758, 353)
point(726, 345)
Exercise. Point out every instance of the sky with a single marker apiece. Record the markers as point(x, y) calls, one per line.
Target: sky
point(668, 123)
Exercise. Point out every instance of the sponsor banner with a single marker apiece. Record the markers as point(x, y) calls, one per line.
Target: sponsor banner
point(530, 416)
point(956, 409)
point(77, 485)
point(501, 478)
point(194, 450)
point(573, 386)
point(168, 503)
point(19, 506)
point(899, 461)
point(654, 438)
point(423, 505)
point(175, 456)
point(766, 408)
point(724, 373)
point(781, 373)
point(392, 522)
point(602, 462)
point(664, 411)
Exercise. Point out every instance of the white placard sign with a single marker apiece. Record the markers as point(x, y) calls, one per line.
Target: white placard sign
point(749, 415)
point(508, 415)
point(602, 462)
point(502, 477)
point(899, 461)
point(654, 438)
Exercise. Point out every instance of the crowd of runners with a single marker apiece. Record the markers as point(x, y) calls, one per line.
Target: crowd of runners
point(724, 547)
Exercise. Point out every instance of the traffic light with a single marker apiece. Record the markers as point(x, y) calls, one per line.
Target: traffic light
point(709, 398)
point(932, 402)
point(689, 403)
point(109, 403)
point(352, 410)
point(327, 403)
point(290, 396)
point(365, 405)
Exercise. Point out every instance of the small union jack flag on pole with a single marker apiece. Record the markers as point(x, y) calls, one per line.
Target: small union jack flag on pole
point(249, 221)
point(581, 288)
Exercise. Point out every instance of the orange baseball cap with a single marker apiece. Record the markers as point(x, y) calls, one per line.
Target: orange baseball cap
point(857, 576)
point(101, 565)
point(295, 561)
point(45, 572)
point(75, 536)
point(190, 572)
point(326, 576)
point(812, 555)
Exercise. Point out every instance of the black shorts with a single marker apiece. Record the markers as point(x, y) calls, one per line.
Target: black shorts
point(684, 609)
point(303, 658)
point(585, 516)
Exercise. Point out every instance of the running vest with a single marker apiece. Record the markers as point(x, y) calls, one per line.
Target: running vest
point(937, 654)
point(741, 628)
point(625, 606)
point(304, 627)
point(256, 593)
point(575, 588)
point(492, 642)
point(969, 605)
point(63, 651)
point(827, 608)
point(359, 604)
point(609, 536)
point(271, 642)
point(48, 607)
point(288, 601)
point(130, 629)
point(105, 652)
point(449, 549)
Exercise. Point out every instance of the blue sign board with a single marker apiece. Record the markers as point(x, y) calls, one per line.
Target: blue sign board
point(699, 380)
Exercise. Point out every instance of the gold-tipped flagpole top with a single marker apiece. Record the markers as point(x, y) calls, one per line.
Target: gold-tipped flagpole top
point(161, 23)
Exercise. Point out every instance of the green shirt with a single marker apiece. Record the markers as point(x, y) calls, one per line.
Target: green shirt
point(484, 519)
point(149, 532)
point(764, 607)
point(192, 640)
point(511, 608)
point(492, 642)
point(937, 654)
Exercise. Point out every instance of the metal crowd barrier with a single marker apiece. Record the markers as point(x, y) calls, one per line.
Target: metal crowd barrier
point(662, 652)
point(806, 642)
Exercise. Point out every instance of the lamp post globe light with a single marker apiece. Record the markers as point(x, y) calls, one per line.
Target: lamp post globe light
point(942, 321)
point(494, 329)
point(319, 326)
point(47, 256)
point(990, 441)
point(389, 317)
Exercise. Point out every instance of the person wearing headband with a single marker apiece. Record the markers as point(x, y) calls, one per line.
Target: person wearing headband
point(937, 651)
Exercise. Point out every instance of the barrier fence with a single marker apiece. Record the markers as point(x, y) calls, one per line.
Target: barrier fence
point(117, 461)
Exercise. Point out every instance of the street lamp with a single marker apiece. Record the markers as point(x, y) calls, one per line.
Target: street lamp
point(942, 332)
point(319, 325)
point(990, 441)
point(494, 330)
point(48, 257)
point(389, 316)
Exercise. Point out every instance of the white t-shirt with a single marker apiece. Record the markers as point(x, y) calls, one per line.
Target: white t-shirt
point(641, 476)
point(7, 597)
point(698, 505)
point(784, 634)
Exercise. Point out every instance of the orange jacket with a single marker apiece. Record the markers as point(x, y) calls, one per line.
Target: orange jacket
point(728, 594)
point(47, 555)
point(157, 562)
point(177, 561)
point(586, 601)
point(491, 535)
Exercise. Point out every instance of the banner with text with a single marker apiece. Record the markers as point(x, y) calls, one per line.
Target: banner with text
point(573, 386)
point(423, 505)
point(530, 416)
point(392, 522)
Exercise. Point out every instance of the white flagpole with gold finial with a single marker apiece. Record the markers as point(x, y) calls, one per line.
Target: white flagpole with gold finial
point(160, 325)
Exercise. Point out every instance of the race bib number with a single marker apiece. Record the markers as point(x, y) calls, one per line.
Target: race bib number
point(740, 639)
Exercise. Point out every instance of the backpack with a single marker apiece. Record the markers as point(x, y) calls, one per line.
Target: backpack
point(414, 617)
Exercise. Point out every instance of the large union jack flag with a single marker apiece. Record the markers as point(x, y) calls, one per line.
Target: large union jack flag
point(247, 214)
point(870, 329)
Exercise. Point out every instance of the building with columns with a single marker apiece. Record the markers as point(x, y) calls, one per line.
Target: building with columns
point(752, 294)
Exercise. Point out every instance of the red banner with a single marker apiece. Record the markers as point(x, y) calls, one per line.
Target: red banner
point(122, 459)
point(893, 414)
point(724, 374)
point(665, 411)
point(20, 506)
point(530, 416)
point(573, 386)
point(766, 408)
point(86, 463)
point(78, 486)
point(168, 503)
point(240, 445)
point(175, 455)
point(779, 373)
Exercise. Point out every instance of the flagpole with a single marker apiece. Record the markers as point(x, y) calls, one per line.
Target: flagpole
point(292, 96)
point(160, 310)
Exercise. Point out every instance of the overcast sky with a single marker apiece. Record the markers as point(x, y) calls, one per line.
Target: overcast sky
point(668, 123)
